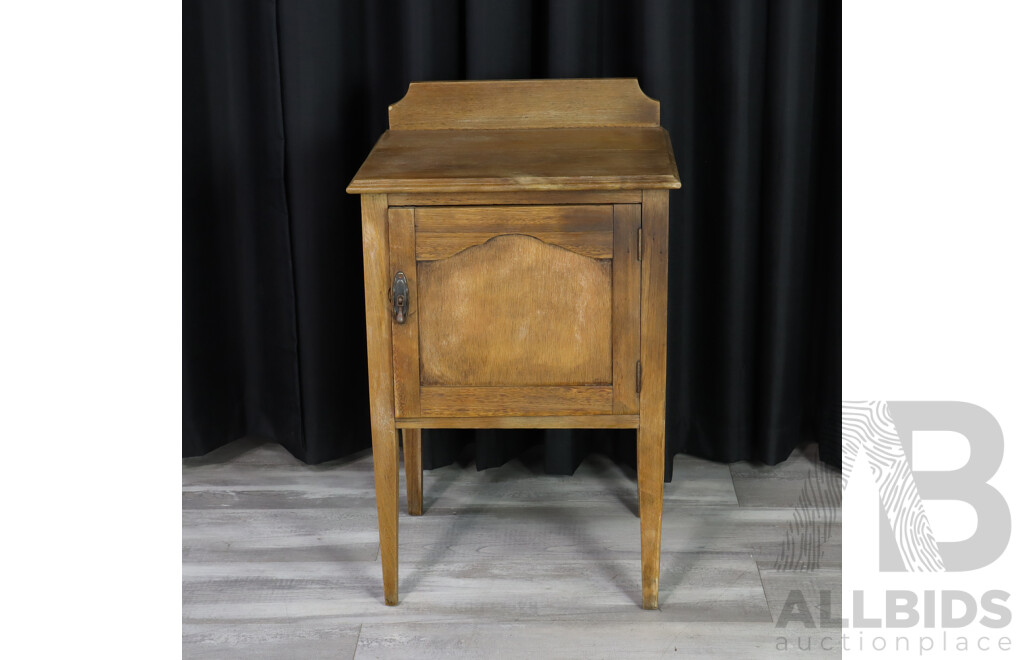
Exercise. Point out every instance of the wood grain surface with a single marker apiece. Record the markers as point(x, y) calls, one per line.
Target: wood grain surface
point(405, 336)
point(515, 311)
point(538, 197)
point(524, 422)
point(651, 434)
point(412, 454)
point(376, 281)
point(492, 104)
point(531, 220)
point(626, 268)
point(280, 559)
point(444, 231)
point(515, 219)
point(515, 401)
point(527, 160)
point(431, 247)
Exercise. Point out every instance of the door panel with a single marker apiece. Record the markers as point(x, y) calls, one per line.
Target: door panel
point(432, 247)
point(515, 311)
point(528, 310)
point(442, 232)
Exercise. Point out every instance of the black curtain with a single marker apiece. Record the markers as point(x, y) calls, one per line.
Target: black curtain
point(283, 100)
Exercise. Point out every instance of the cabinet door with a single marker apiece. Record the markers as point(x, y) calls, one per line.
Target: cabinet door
point(517, 310)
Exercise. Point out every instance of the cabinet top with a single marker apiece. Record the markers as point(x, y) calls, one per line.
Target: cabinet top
point(492, 136)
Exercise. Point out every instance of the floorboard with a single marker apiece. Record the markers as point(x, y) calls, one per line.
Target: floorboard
point(280, 559)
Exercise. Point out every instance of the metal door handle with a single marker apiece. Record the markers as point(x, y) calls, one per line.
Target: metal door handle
point(400, 297)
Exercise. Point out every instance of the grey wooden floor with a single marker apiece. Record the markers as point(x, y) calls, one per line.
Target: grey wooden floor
point(280, 560)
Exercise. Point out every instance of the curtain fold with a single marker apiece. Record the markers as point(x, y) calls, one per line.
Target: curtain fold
point(282, 101)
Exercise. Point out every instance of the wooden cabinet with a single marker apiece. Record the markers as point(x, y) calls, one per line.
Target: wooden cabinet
point(515, 250)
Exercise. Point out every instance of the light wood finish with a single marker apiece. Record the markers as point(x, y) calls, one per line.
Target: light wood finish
point(524, 422)
point(515, 401)
point(444, 231)
point(651, 434)
point(433, 247)
point(376, 279)
point(279, 559)
point(539, 197)
point(412, 453)
point(493, 104)
point(515, 311)
point(531, 221)
point(405, 336)
point(626, 309)
point(527, 160)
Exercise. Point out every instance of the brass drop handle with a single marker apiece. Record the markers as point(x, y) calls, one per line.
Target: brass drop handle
point(399, 297)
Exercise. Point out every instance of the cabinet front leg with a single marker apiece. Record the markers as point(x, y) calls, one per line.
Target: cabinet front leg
point(382, 404)
point(412, 448)
point(650, 470)
point(385, 478)
point(653, 346)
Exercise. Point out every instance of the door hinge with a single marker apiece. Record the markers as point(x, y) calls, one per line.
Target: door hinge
point(639, 243)
point(638, 376)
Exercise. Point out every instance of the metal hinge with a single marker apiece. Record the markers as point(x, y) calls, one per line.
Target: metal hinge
point(639, 243)
point(638, 376)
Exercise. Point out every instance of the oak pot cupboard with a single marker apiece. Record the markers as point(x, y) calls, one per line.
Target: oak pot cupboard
point(515, 260)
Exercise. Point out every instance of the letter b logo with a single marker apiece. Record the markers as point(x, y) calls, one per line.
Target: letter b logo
point(883, 431)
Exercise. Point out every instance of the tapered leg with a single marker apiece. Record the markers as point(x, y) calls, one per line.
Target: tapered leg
point(382, 403)
point(650, 471)
point(412, 448)
point(385, 478)
point(653, 343)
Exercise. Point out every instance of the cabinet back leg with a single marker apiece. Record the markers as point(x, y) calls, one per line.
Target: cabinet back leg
point(412, 450)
